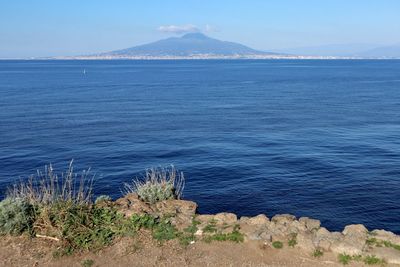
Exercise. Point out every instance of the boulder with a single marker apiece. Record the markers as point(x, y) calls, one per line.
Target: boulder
point(323, 239)
point(260, 219)
point(310, 224)
point(351, 244)
point(283, 219)
point(225, 218)
point(356, 230)
point(174, 206)
point(244, 219)
point(182, 212)
point(131, 204)
point(205, 218)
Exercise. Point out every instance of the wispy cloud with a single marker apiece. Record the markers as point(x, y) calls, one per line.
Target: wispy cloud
point(179, 29)
point(210, 28)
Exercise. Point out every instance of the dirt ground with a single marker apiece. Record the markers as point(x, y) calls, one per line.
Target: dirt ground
point(143, 251)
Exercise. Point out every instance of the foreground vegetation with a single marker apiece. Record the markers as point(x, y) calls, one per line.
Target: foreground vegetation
point(60, 208)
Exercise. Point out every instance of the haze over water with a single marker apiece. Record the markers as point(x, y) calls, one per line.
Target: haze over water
point(310, 138)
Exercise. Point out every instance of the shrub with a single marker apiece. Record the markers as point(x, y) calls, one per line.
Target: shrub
point(372, 260)
point(48, 187)
point(277, 244)
point(318, 253)
point(344, 259)
point(16, 216)
point(158, 184)
point(82, 227)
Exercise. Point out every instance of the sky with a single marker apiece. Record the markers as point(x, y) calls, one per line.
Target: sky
point(39, 28)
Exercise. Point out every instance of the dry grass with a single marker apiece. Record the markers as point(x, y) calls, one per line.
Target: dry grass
point(158, 184)
point(47, 187)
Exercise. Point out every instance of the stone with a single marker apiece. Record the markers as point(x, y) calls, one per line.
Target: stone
point(283, 219)
point(131, 204)
point(310, 224)
point(244, 219)
point(357, 230)
point(182, 212)
point(205, 218)
point(225, 218)
point(253, 232)
point(353, 243)
point(325, 245)
point(323, 239)
point(305, 242)
point(260, 219)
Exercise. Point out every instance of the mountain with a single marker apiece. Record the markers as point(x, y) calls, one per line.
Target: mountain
point(189, 45)
point(383, 52)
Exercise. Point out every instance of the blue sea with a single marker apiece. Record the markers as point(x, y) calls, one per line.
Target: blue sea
point(317, 138)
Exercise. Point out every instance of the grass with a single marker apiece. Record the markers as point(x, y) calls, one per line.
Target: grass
point(344, 258)
point(277, 244)
point(373, 260)
point(48, 187)
point(368, 260)
point(317, 253)
point(292, 241)
point(158, 184)
point(380, 243)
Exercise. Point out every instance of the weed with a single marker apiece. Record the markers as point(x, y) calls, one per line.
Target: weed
point(344, 258)
point(373, 260)
point(143, 221)
point(158, 184)
point(318, 253)
point(277, 244)
point(381, 243)
point(293, 240)
point(164, 230)
point(234, 236)
point(210, 228)
point(357, 257)
point(87, 263)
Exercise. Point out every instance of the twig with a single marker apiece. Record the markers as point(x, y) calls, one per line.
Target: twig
point(48, 237)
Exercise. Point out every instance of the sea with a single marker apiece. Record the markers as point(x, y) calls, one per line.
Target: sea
point(316, 138)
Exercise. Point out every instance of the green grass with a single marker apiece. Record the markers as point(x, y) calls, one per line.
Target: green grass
point(344, 258)
point(373, 260)
point(317, 253)
point(380, 243)
point(234, 236)
point(368, 260)
point(277, 244)
point(210, 228)
point(292, 241)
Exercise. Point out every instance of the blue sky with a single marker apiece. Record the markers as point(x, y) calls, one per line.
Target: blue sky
point(72, 27)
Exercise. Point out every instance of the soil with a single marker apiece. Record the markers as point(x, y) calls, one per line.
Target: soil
point(142, 250)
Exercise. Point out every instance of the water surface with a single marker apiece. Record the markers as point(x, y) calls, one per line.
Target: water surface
point(311, 138)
